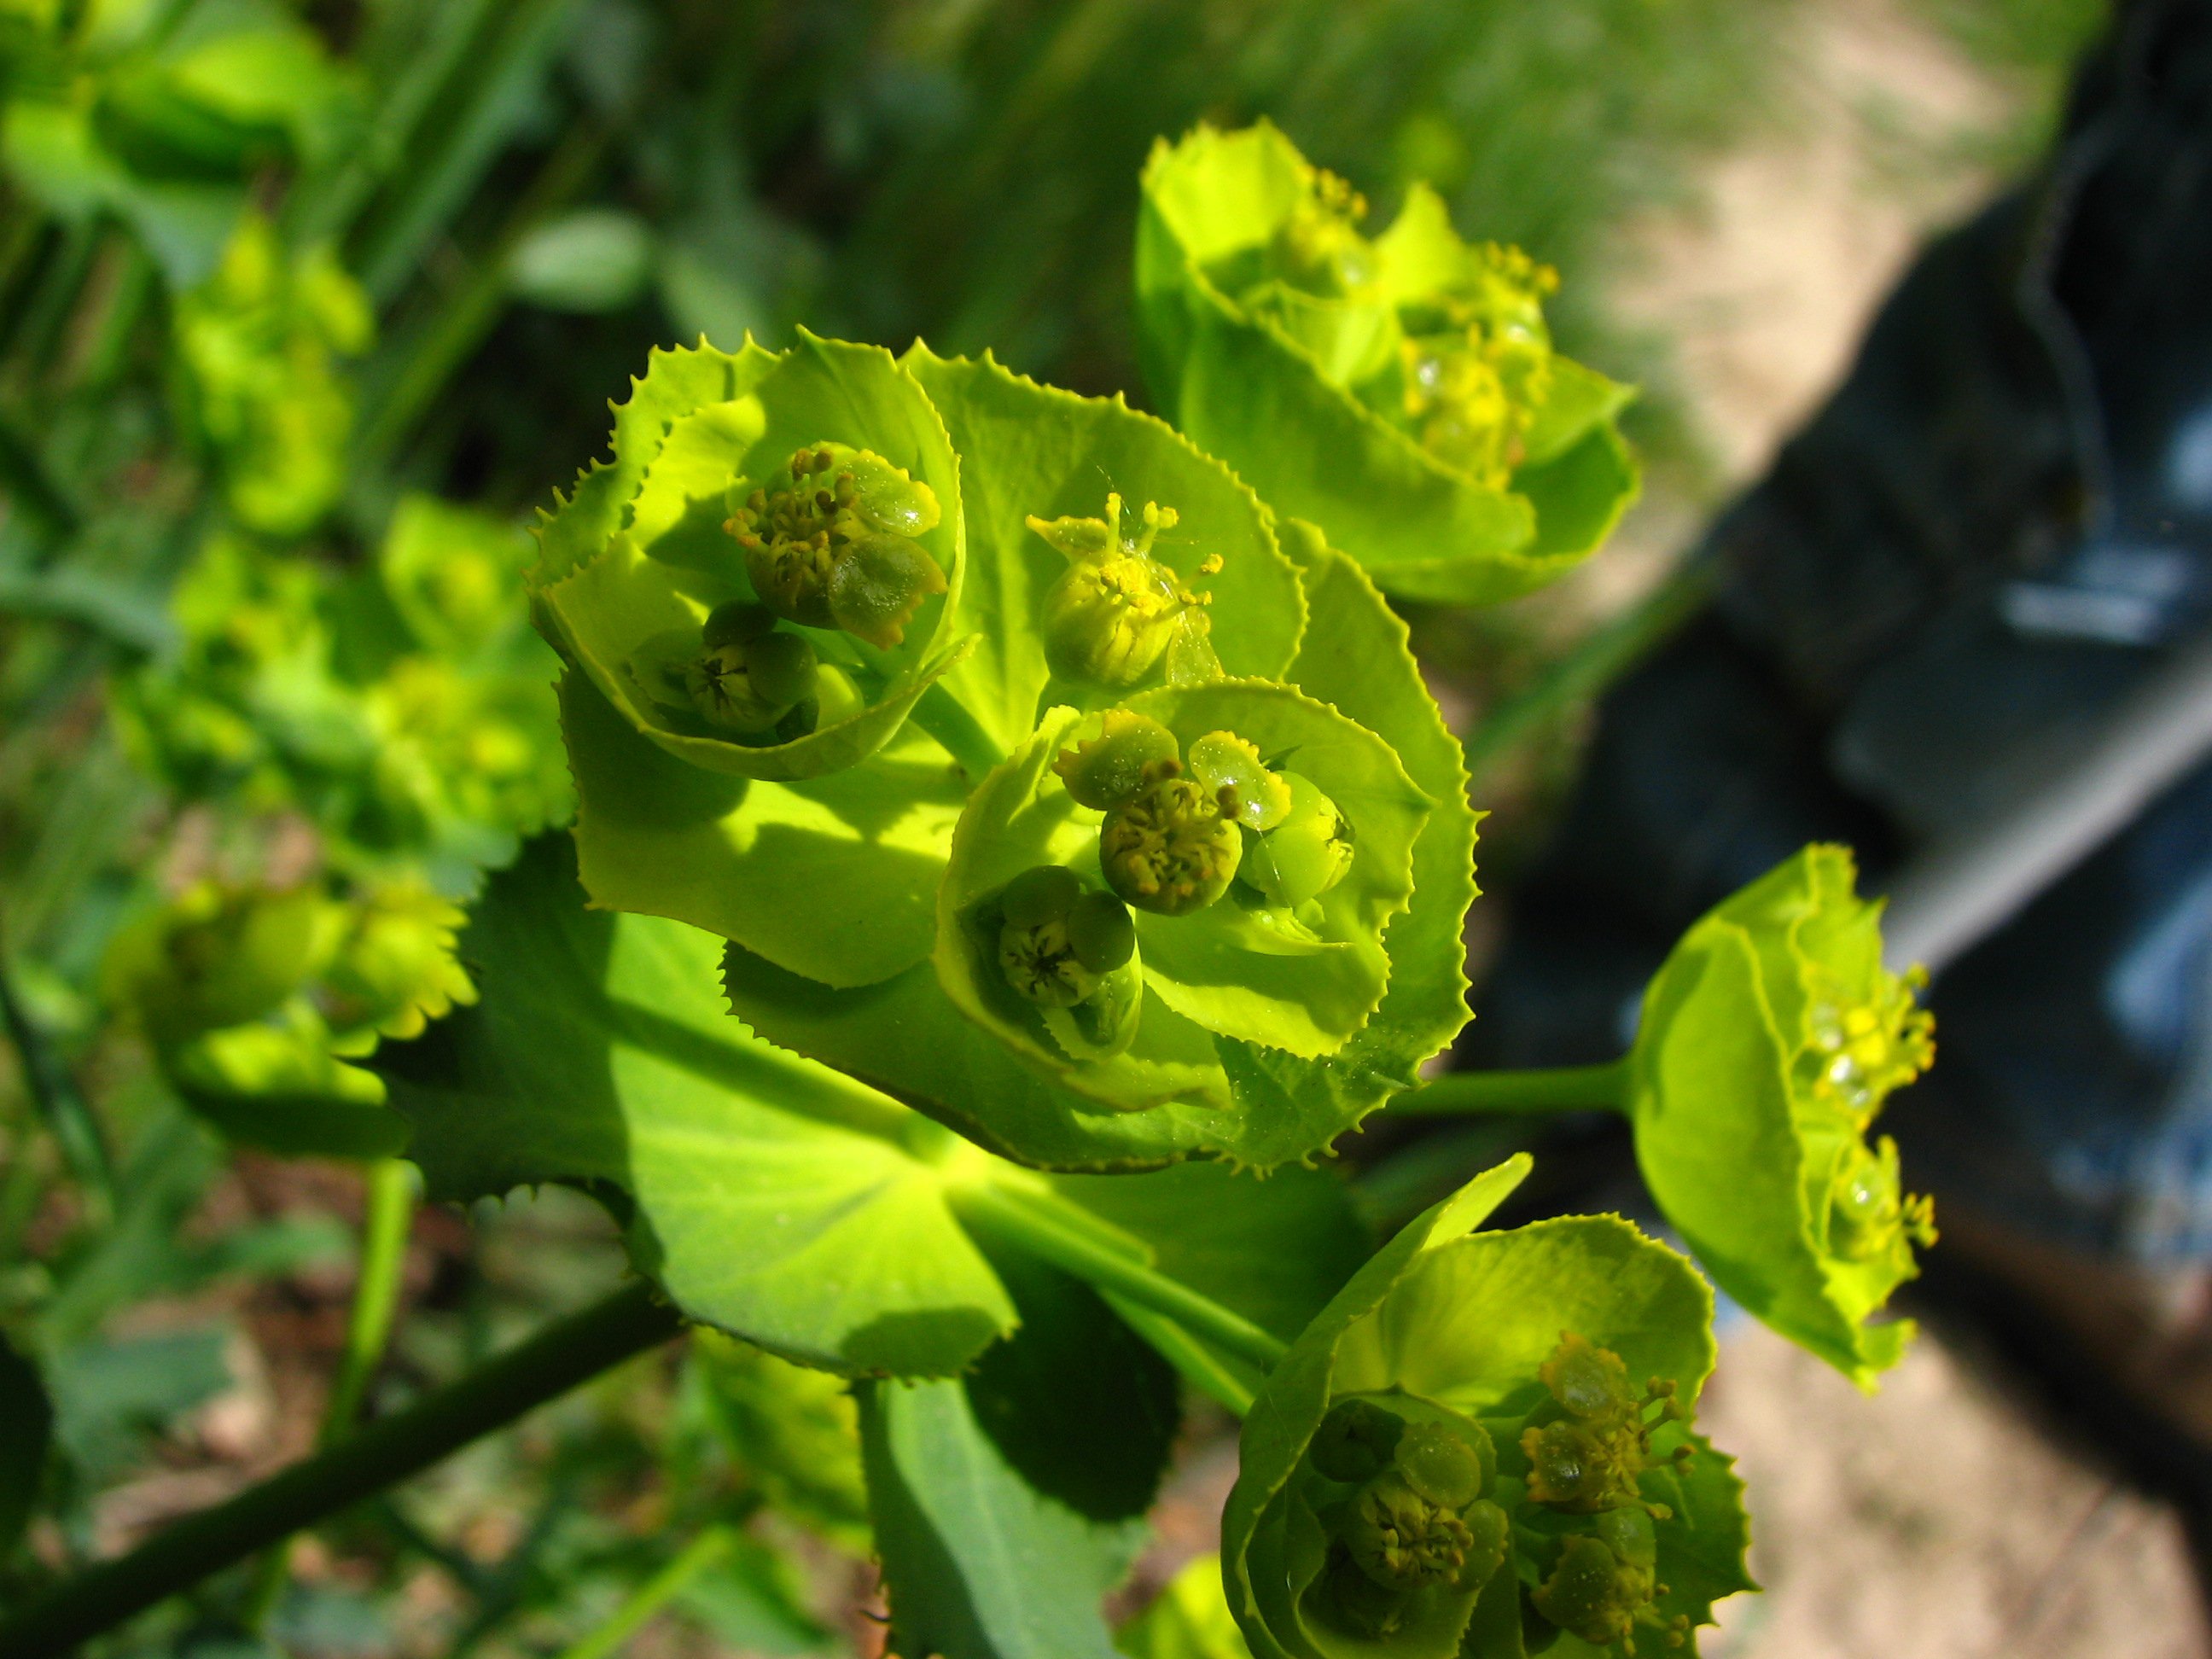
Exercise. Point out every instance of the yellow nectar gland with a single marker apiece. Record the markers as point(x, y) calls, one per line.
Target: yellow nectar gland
point(1861, 1051)
point(1477, 373)
point(1115, 611)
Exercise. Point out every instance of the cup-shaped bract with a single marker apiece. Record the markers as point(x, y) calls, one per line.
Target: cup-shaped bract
point(735, 748)
point(1770, 1040)
point(1242, 1025)
point(1482, 1446)
point(1402, 391)
point(1218, 958)
point(816, 484)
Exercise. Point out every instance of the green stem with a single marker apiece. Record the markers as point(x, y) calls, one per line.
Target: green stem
point(1555, 1089)
point(389, 1215)
point(569, 1352)
point(1204, 1367)
point(68, 1114)
point(962, 736)
point(655, 1594)
point(1592, 665)
point(1038, 1223)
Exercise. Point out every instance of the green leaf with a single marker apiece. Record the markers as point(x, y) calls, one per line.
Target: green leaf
point(1030, 450)
point(588, 261)
point(1769, 1041)
point(795, 1432)
point(1301, 390)
point(769, 1196)
point(865, 846)
point(30, 1420)
point(980, 1566)
point(639, 548)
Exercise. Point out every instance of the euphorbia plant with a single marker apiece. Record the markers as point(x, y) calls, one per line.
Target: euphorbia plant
point(1008, 828)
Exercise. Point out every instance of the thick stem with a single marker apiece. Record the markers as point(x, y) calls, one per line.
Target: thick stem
point(1033, 1221)
point(1555, 1089)
point(386, 1221)
point(1590, 666)
point(548, 1364)
point(655, 1594)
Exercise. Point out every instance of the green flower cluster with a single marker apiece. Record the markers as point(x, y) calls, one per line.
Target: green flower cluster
point(407, 710)
point(253, 999)
point(1082, 830)
point(1769, 1040)
point(1454, 1459)
point(1400, 391)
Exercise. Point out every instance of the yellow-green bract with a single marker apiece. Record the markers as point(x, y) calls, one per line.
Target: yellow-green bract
point(1769, 1042)
point(1402, 391)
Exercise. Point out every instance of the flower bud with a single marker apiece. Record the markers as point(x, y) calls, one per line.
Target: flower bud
point(834, 549)
point(1169, 848)
point(1307, 852)
point(1592, 1593)
point(1115, 611)
point(1401, 1540)
point(1114, 766)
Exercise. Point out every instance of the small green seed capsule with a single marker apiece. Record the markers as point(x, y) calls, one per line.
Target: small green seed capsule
point(1258, 800)
point(1355, 1441)
point(878, 583)
point(780, 667)
point(1101, 931)
point(1440, 1466)
point(1305, 854)
point(1168, 849)
point(1488, 1527)
point(737, 622)
point(1115, 611)
point(1112, 767)
point(1629, 1533)
point(1041, 967)
point(1037, 896)
point(1592, 1593)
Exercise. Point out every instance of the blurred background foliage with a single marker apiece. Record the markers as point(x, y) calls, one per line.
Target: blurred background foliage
point(303, 309)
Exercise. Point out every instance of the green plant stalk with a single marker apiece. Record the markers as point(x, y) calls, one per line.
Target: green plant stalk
point(655, 1594)
point(569, 1352)
point(54, 1092)
point(946, 719)
point(385, 1222)
point(1552, 1089)
point(1592, 665)
point(1199, 1364)
point(1038, 1223)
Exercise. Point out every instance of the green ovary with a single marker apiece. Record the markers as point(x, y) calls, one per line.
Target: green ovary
point(835, 548)
point(1306, 854)
point(1059, 942)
